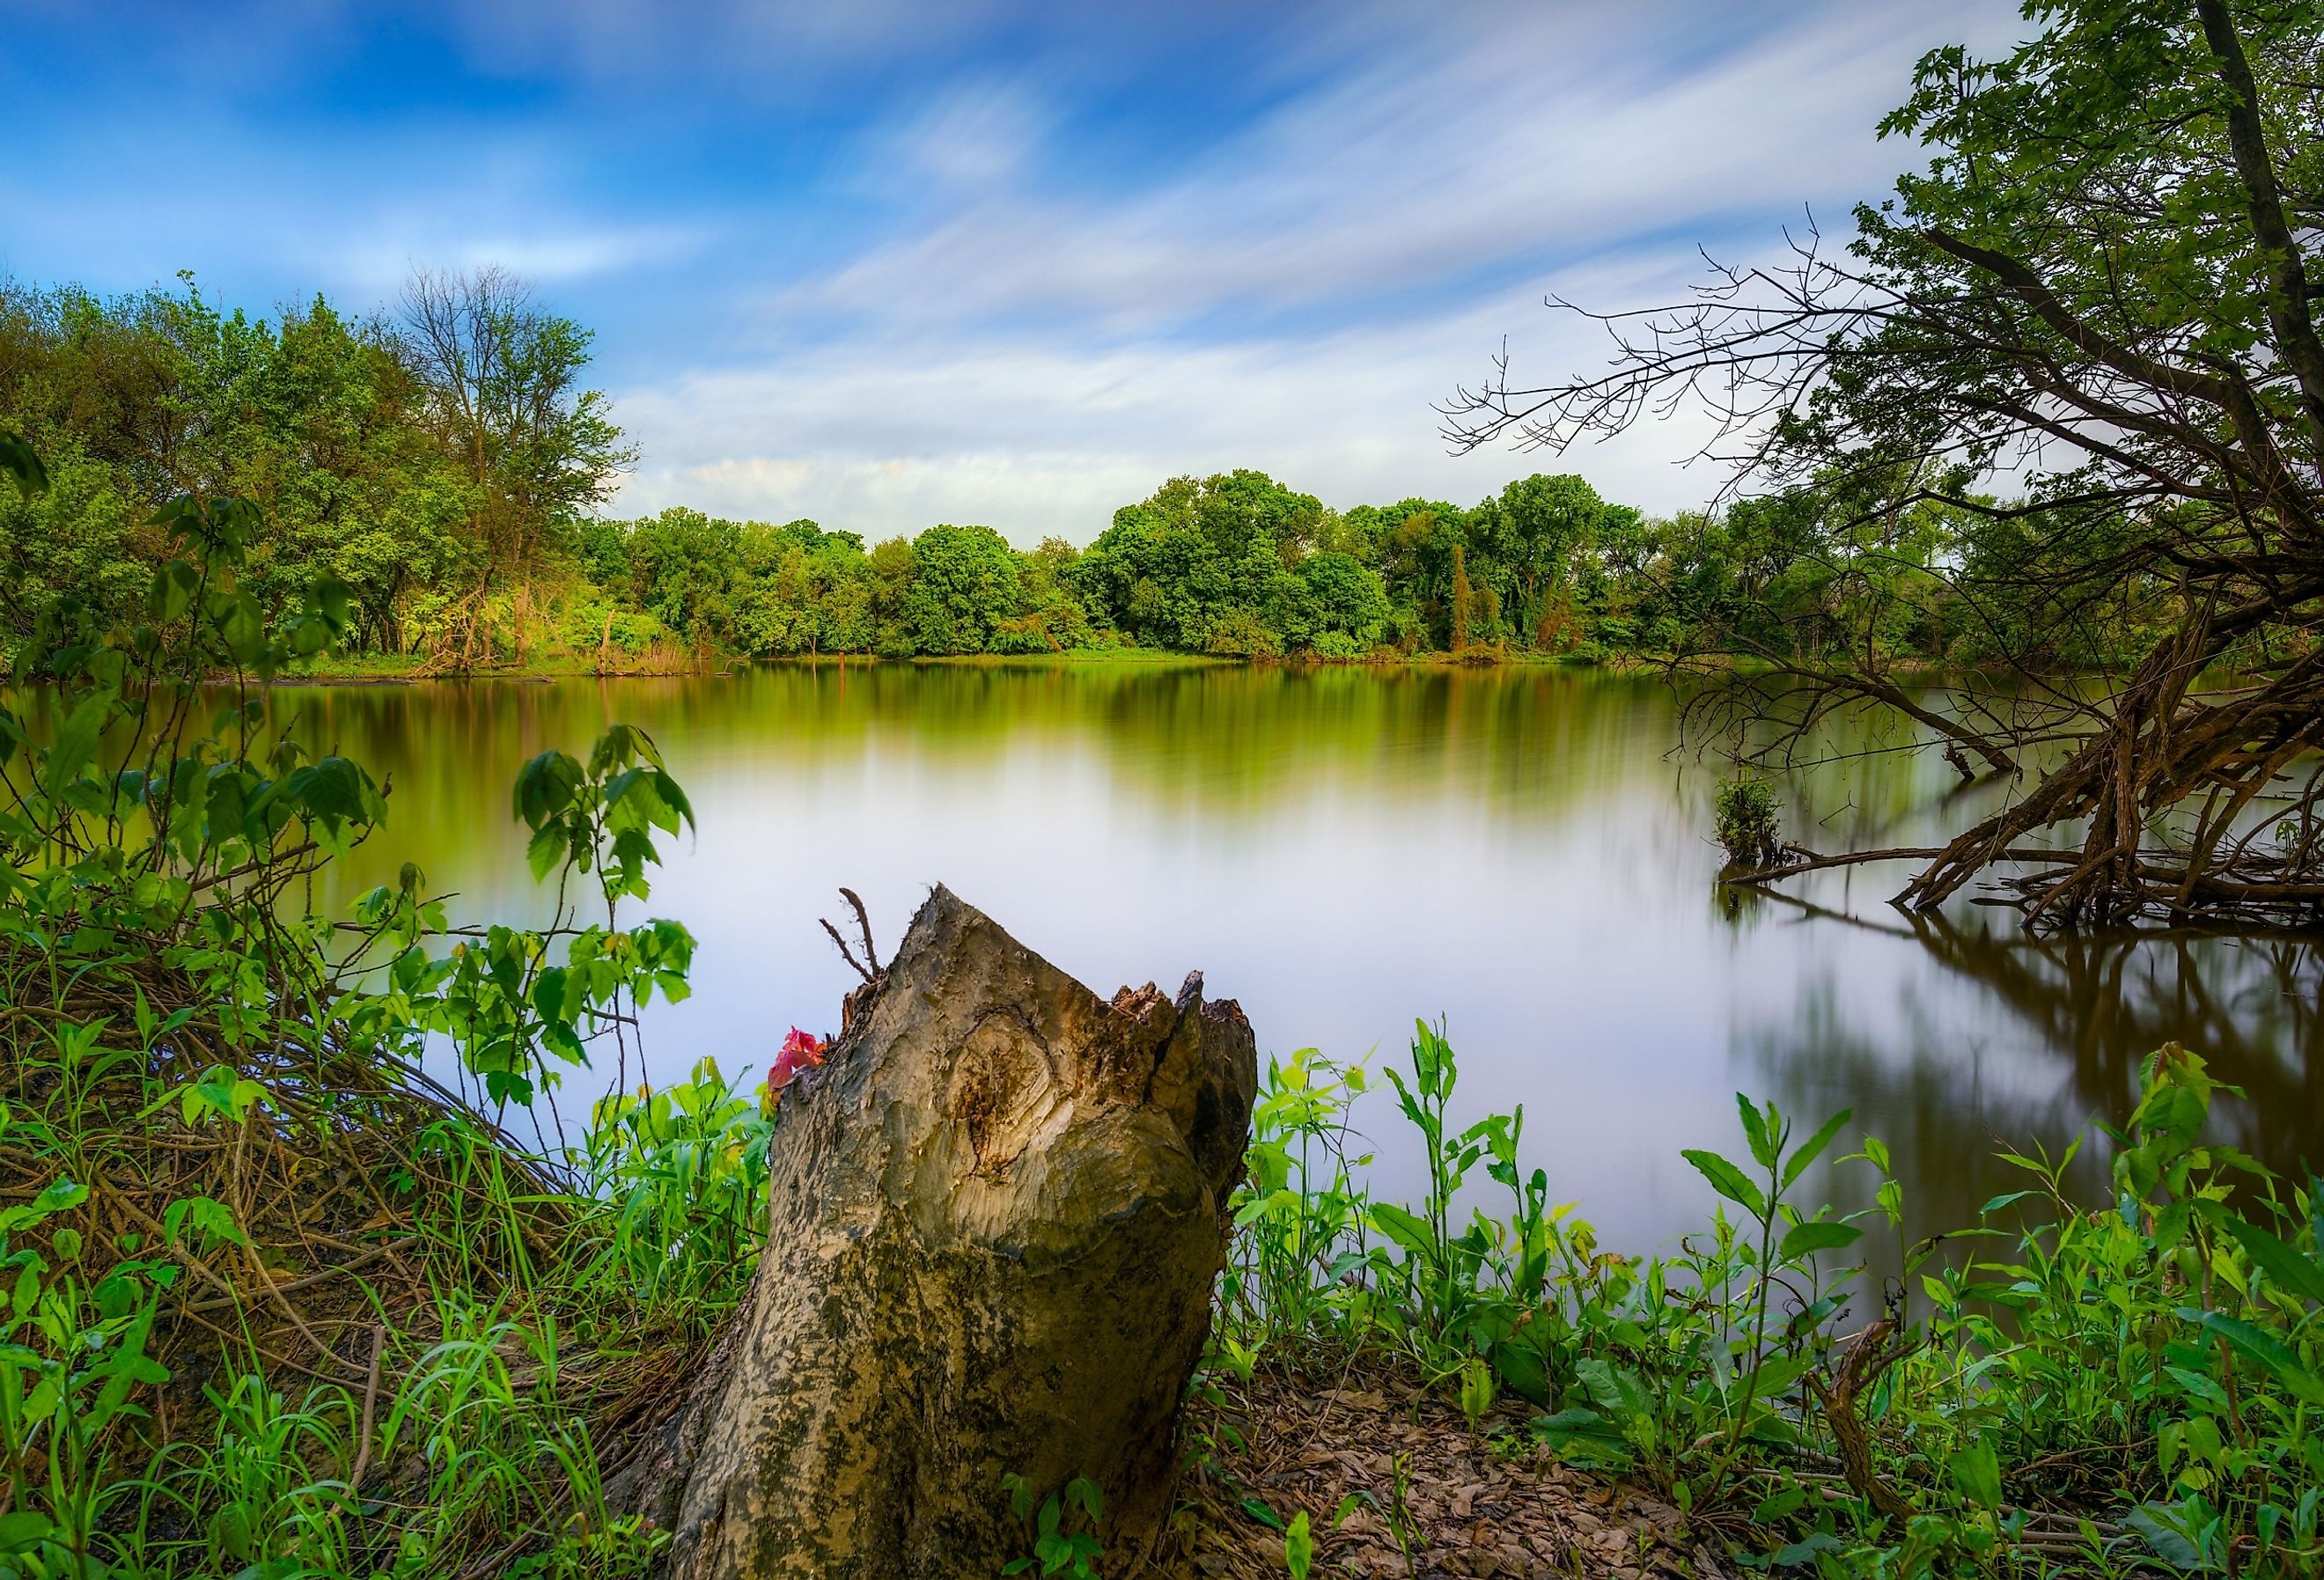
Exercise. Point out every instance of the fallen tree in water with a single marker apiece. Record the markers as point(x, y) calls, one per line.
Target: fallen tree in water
point(998, 1210)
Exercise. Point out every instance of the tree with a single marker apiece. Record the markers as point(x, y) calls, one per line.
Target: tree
point(1552, 527)
point(964, 585)
point(502, 377)
point(316, 431)
point(313, 419)
point(1053, 618)
point(1463, 597)
point(2101, 284)
point(1206, 565)
point(682, 568)
point(1347, 605)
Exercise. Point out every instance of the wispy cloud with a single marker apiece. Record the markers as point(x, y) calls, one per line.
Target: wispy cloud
point(1040, 435)
point(1299, 292)
point(1526, 143)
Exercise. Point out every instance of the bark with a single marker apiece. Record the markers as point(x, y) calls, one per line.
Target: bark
point(998, 1215)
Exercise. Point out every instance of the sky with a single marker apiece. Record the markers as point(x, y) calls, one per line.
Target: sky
point(889, 262)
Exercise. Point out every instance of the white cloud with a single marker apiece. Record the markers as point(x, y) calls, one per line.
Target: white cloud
point(1037, 436)
point(965, 290)
point(1554, 136)
point(547, 252)
point(1297, 298)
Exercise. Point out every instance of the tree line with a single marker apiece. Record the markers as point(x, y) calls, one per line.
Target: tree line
point(445, 461)
point(434, 460)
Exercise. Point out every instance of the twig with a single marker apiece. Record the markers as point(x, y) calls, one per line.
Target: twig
point(371, 1398)
point(868, 968)
point(222, 1302)
point(845, 953)
point(862, 920)
point(1811, 863)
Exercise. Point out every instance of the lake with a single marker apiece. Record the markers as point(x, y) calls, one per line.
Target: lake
point(1523, 851)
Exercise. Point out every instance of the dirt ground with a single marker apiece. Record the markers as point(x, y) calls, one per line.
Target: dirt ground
point(1430, 1496)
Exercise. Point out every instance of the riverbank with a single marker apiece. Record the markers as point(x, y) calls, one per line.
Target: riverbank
point(408, 670)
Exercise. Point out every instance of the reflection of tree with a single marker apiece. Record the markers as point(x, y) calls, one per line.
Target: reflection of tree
point(2095, 1005)
point(1515, 742)
point(2248, 1005)
point(1930, 1102)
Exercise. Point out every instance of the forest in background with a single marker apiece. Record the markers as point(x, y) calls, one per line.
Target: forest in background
point(444, 462)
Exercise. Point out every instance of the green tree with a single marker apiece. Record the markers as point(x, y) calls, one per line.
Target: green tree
point(1349, 606)
point(964, 585)
point(503, 378)
point(1051, 617)
point(682, 568)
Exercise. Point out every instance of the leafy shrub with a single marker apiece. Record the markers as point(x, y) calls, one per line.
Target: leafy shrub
point(1746, 816)
point(210, 1087)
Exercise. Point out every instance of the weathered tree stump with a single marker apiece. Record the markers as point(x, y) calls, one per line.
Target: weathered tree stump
point(998, 1215)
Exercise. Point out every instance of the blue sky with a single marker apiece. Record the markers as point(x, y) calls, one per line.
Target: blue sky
point(888, 262)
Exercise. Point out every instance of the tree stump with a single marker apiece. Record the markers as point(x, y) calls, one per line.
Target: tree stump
point(998, 1215)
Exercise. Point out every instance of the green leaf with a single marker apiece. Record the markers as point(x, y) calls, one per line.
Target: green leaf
point(76, 741)
point(61, 1195)
point(1976, 1472)
point(2262, 1346)
point(1756, 1131)
point(1406, 1228)
point(1811, 1148)
point(1806, 1239)
point(547, 847)
point(1522, 1369)
point(545, 786)
point(1583, 1438)
point(1299, 1546)
point(2171, 1533)
point(1729, 1181)
point(2289, 1270)
point(211, 1217)
point(23, 1527)
point(681, 810)
point(1805, 1550)
point(174, 585)
point(20, 461)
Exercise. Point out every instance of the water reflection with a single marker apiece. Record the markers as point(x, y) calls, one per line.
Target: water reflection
point(1344, 850)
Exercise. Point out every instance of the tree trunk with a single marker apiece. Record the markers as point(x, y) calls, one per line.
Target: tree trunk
point(998, 1215)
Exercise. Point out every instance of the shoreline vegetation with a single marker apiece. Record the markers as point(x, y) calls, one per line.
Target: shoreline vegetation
point(283, 1303)
point(443, 463)
point(406, 670)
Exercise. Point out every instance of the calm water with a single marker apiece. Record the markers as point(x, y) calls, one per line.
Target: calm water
point(1524, 852)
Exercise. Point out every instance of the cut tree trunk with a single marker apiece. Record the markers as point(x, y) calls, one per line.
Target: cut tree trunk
point(998, 1216)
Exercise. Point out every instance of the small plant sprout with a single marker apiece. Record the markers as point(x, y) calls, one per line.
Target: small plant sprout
point(1064, 1529)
